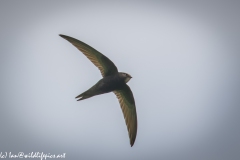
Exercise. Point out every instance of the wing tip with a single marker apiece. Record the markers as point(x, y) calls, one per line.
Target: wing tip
point(61, 35)
point(132, 143)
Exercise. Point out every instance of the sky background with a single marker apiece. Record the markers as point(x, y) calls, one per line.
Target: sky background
point(183, 57)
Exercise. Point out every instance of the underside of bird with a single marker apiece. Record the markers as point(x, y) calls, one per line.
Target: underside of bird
point(112, 81)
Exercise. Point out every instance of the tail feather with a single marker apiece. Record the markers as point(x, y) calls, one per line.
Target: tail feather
point(83, 96)
point(79, 96)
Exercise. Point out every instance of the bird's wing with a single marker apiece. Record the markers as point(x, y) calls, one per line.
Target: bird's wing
point(105, 65)
point(127, 103)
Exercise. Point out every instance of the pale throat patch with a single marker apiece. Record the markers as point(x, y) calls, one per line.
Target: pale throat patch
point(127, 79)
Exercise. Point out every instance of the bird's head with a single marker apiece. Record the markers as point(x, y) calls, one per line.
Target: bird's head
point(125, 76)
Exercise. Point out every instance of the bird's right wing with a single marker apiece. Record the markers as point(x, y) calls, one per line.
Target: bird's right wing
point(105, 65)
point(127, 103)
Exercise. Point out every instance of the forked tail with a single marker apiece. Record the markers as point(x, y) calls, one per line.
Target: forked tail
point(83, 96)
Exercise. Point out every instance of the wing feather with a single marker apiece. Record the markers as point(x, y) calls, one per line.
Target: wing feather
point(105, 65)
point(127, 103)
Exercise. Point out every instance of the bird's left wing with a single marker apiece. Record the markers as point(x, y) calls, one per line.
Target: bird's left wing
point(105, 65)
point(127, 103)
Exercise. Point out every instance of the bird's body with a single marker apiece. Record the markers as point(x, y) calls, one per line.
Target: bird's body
point(112, 81)
point(104, 85)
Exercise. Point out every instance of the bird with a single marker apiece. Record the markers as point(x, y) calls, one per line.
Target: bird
point(112, 81)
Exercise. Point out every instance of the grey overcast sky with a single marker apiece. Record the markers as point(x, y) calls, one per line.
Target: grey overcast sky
point(183, 57)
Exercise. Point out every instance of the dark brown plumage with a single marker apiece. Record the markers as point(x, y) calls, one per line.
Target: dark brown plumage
point(112, 81)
